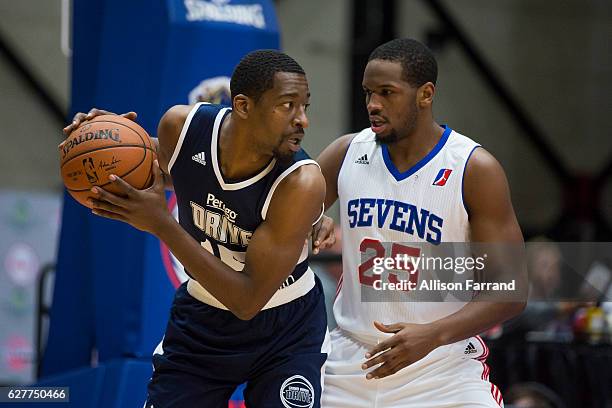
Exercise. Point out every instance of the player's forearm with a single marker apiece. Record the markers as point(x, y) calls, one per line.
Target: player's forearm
point(236, 290)
point(473, 319)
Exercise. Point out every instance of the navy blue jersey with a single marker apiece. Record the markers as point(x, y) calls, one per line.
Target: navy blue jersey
point(222, 214)
point(207, 351)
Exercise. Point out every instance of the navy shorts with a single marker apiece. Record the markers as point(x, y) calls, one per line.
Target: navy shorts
point(207, 352)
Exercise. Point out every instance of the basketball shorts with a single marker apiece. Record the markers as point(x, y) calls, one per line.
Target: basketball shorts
point(450, 376)
point(207, 352)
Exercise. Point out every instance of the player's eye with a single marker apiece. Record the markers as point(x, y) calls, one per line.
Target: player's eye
point(386, 92)
point(288, 105)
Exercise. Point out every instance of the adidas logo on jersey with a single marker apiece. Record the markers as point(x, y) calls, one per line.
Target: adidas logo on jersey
point(362, 160)
point(470, 349)
point(200, 158)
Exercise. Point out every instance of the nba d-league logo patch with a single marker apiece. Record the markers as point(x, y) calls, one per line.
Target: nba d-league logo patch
point(442, 177)
point(297, 392)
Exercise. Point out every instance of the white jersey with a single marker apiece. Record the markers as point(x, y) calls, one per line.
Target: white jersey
point(380, 204)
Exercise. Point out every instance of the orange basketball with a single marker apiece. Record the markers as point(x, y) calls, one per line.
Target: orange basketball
point(105, 145)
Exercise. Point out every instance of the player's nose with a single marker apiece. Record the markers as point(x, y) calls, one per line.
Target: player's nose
point(374, 104)
point(301, 119)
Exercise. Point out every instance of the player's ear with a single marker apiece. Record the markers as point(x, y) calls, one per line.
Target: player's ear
point(425, 95)
point(242, 105)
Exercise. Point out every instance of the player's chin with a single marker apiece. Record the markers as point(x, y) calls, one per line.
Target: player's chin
point(388, 136)
point(283, 153)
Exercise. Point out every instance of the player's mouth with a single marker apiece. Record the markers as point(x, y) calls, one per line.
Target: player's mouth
point(377, 125)
point(294, 142)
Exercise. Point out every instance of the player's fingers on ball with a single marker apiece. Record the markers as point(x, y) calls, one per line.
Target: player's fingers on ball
point(123, 186)
point(130, 115)
point(103, 195)
point(107, 214)
point(76, 121)
point(78, 118)
point(105, 206)
point(96, 112)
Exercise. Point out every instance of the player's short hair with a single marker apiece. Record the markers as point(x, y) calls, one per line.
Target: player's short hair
point(254, 74)
point(419, 65)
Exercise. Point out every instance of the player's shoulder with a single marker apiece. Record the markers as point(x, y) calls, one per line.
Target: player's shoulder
point(482, 164)
point(341, 144)
point(178, 114)
point(303, 175)
point(459, 140)
point(306, 174)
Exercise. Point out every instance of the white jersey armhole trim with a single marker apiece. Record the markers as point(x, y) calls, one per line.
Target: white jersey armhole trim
point(264, 209)
point(320, 215)
point(214, 143)
point(181, 139)
point(463, 179)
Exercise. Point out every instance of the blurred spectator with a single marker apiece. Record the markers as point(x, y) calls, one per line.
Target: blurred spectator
point(531, 395)
point(543, 312)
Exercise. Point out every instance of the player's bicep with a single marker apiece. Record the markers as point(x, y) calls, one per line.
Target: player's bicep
point(168, 132)
point(163, 164)
point(487, 197)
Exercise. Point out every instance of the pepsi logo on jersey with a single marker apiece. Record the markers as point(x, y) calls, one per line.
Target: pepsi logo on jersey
point(219, 222)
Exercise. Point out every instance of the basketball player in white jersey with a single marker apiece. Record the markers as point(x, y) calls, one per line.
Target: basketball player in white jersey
point(403, 168)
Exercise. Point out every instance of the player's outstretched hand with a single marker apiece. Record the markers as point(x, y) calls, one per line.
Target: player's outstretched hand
point(81, 117)
point(409, 343)
point(323, 235)
point(145, 210)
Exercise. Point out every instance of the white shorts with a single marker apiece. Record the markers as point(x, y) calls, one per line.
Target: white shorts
point(450, 376)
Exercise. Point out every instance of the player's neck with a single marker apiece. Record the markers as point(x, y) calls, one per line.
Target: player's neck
point(409, 150)
point(238, 155)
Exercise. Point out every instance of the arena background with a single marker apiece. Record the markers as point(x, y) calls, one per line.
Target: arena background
point(530, 80)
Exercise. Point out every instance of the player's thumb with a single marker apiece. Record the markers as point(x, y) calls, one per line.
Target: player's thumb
point(388, 328)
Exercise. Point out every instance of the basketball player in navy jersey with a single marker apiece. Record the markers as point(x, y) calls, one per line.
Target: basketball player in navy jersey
point(408, 179)
point(248, 196)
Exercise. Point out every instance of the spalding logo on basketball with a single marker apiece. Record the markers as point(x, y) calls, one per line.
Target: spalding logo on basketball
point(174, 269)
point(297, 392)
point(105, 145)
